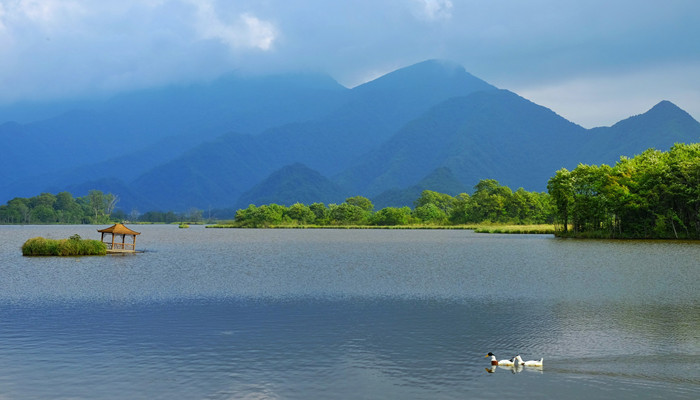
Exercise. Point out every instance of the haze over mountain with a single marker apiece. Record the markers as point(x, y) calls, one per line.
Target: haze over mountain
point(245, 140)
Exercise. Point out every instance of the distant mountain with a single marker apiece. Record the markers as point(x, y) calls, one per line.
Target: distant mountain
point(292, 184)
point(441, 180)
point(306, 138)
point(218, 172)
point(160, 124)
point(127, 198)
point(659, 128)
point(492, 134)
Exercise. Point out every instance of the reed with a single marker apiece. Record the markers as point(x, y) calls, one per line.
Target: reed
point(75, 246)
point(479, 228)
point(516, 229)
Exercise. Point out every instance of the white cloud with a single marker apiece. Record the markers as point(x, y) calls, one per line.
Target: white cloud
point(246, 31)
point(605, 100)
point(433, 10)
point(47, 14)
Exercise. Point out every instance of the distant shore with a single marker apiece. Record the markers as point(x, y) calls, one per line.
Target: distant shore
point(478, 228)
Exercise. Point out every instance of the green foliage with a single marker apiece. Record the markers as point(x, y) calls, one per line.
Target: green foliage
point(74, 246)
point(62, 208)
point(361, 202)
point(653, 195)
point(392, 216)
point(432, 208)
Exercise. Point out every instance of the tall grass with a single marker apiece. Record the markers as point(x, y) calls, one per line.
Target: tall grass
point(517, 229)
point(478, 228)
point(74, 246)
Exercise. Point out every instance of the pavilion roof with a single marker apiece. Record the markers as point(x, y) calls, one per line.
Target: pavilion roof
point(119, 229)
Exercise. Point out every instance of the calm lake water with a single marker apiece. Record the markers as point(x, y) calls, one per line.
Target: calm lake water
point(348, 314)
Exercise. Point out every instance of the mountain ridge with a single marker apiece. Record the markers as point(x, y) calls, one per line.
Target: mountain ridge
point(386, 135)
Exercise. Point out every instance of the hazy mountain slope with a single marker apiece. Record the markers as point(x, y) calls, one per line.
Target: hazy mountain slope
point(372, 114)
point(441, 180)
point(328, 145)
point(427, 126)
point(137, 121)
point(660, 127)
point(491, 134)
point(213, 174)
point(291, 184)
point(128, 200)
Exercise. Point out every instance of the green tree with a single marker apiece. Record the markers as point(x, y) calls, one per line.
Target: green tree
point(444, 202)
point(560, 188)
point(321, 213)
point(390, 216)
point(430, 213)
point(463, 210)
point(362, 202)
point(301, 213)
point(490, 201)
point(347, 214)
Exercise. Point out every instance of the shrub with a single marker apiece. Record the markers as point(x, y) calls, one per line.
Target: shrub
point(75, 246)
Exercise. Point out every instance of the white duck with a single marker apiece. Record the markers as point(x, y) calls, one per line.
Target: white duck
point(530, 363)
point(502, 363)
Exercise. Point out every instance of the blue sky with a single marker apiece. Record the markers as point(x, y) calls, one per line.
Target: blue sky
point(593, 61)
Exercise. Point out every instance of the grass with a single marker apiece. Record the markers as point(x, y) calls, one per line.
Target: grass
point(478, 228)
point(75, 246)
point(518, 229)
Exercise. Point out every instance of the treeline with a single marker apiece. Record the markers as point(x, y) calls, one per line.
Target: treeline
point(490, 202)
point(61, 208)
point(653, 195)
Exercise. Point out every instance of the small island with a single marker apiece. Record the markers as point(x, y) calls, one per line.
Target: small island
point(73, 246)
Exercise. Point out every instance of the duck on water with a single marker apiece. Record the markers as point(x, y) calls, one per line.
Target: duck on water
point(515, 361)
point(502, 363)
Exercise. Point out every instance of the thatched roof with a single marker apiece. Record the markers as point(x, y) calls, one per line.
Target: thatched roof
point(118, 229)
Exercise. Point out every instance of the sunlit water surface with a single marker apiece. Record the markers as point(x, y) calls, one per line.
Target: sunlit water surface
point(348, 314)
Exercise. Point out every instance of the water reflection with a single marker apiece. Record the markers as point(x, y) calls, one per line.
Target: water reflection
point(348, 314)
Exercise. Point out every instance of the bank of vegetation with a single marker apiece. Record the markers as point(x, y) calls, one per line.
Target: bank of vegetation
point(73, 246)
point(62, 208)
point(653, 195)
point(490, 203)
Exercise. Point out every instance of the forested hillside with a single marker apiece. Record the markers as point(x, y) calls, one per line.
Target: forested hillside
point(225, 143)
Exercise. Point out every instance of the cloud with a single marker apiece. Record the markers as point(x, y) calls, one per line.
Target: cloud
point(245, 31)
point(604, 100)
point(70, 48)
point(433, 10)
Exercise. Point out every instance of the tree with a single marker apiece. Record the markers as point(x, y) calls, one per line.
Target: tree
point(462, 212)
point(430, 213)
point(560, 187)
point(490, 201)
point(444, 202)
point(347, 214)
point(321, 212)
point(301, 213)
point(390, 216)
point(362, 202)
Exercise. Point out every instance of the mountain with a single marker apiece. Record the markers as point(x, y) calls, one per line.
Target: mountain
point(242, 140)
point(292, 184)
point(659, 128)
point(491, 134)
point(216, 173)
point(154, 126)
point(441, 180)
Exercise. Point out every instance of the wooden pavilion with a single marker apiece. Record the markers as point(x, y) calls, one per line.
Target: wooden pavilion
point(114, 245)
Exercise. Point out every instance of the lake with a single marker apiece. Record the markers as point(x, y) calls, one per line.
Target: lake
point(348, 314)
